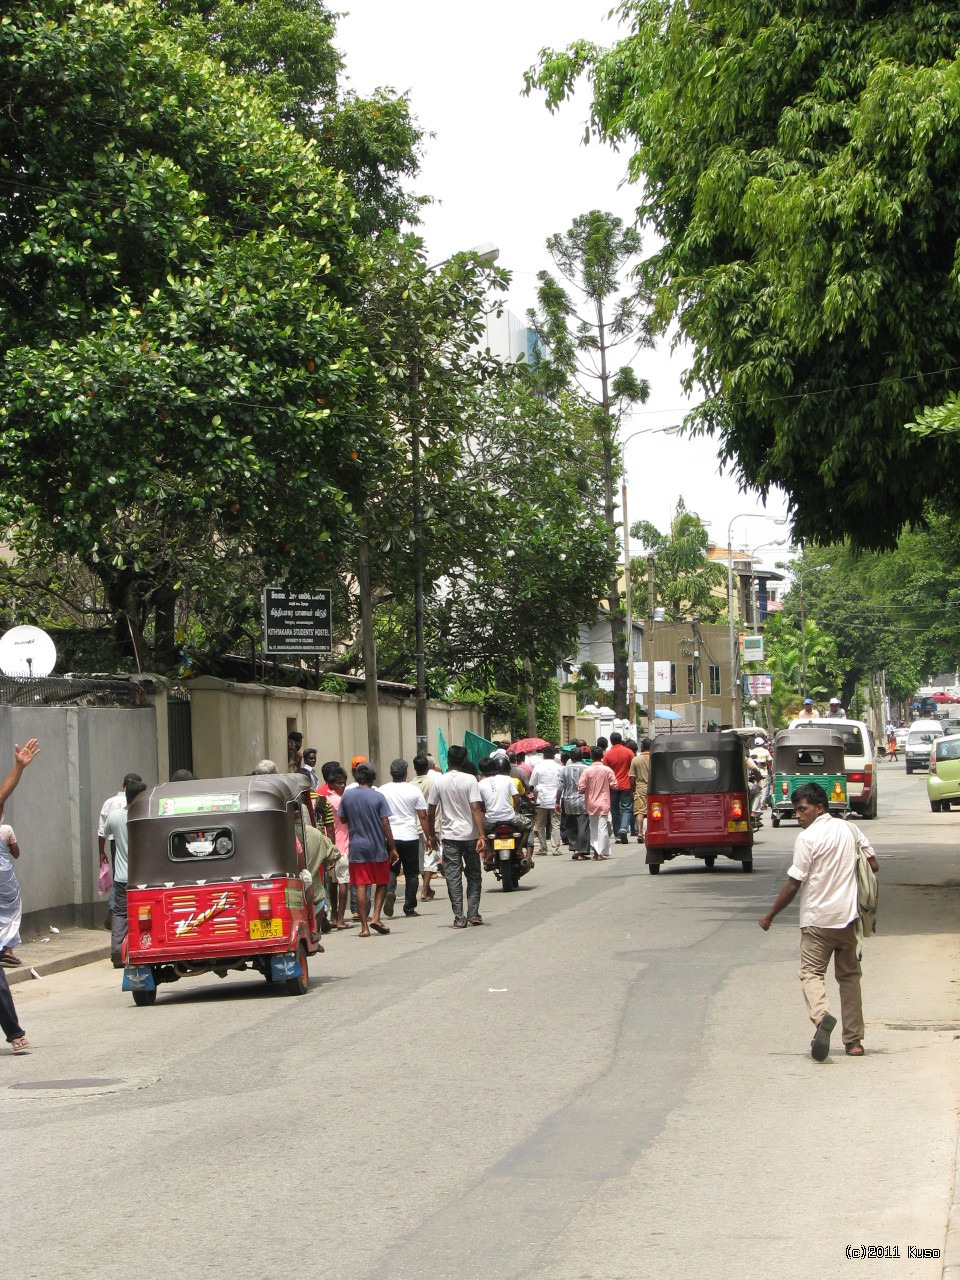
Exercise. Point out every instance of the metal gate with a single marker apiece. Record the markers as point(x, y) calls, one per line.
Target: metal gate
point(179, 730)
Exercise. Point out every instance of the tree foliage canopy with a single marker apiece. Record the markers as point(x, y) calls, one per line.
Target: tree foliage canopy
point(686, 581)
point(182, 359)
point(590, 330)
point(896, 611)
point(801, 163)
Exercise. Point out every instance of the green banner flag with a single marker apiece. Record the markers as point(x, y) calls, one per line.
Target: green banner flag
point(441, 750)
point(477, 747)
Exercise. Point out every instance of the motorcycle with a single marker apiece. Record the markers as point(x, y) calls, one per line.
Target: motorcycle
point(512, 858)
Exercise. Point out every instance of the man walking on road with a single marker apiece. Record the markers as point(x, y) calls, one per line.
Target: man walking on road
point(639, 781)
point(456, 794)
point(408, 813)
point(545, 784)
point(573, 805)
point(824, 871)
point(366, 815)
point(116, 826)
point(598, 783)
point(619, 757)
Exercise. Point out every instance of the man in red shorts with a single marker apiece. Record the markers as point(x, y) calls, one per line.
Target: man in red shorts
point(366, 815)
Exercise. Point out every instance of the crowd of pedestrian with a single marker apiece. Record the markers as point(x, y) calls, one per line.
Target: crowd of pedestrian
point(365, 836)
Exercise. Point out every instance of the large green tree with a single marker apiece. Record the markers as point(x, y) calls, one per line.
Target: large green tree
point(801, 165)
point(182, 366)
point(896, 612)
point(591, 323)
point(534, 569)
point(285, 50)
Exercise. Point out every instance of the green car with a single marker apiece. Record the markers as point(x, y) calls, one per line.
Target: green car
point(943, 780)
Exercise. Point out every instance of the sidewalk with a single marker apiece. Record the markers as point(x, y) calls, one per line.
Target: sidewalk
point(54, 952)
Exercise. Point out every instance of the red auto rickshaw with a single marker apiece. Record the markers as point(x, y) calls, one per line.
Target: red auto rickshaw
point(217, 881)
point(698, 800)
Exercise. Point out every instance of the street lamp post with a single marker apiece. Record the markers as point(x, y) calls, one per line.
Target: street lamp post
point(734, 673)
point(753, 578)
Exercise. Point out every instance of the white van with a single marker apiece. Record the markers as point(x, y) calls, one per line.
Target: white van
point(921, 735)
point(859, 760)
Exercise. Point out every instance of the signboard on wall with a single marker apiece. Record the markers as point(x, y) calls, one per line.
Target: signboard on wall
point(297, 622)
point(759, 686)
point(752, 647)
point(661, 677)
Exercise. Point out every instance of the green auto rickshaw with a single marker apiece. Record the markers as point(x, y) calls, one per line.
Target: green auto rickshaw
point(808, 755)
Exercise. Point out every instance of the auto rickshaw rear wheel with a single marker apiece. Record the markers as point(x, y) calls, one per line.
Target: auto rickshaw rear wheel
point(747, 864)
point(144, 998)
point(708, 863)
point(654, 868)
point(299, 986)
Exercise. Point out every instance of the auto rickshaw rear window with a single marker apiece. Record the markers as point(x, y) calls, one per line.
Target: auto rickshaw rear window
point(208, 843)
point(696, 769)
point(210, 802)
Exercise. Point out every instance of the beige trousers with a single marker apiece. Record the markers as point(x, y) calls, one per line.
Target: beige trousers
point(816, 948)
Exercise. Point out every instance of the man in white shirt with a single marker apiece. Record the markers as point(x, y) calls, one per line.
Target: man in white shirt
point(545, 784)
point(500, 795)
point(424, 777)
point(456, 795)
point(408, 812)
point(115, 826)
point(119, 801)
point(824, 872)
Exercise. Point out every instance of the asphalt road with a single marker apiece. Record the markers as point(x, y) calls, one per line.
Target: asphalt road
point(612, 1079)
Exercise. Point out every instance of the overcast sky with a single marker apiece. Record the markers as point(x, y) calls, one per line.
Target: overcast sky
point(501, 168)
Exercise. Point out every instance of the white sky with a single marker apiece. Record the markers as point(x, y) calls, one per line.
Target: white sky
point(501, 168)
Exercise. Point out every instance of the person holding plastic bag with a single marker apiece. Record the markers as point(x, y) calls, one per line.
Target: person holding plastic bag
point(11, 906)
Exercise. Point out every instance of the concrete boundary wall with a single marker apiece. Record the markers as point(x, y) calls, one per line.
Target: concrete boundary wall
point(84, 753)
point(235, 725)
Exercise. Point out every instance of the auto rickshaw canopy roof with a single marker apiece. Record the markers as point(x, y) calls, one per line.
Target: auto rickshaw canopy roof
point(257, 815)
point(725, 748)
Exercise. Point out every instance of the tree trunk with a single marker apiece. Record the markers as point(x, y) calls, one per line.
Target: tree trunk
point(365, 592)
point(529, 698)
point(618, 622)
point(165, 654)
point(124, 597)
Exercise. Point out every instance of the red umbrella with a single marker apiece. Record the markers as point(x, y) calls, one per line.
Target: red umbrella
point(528, 744)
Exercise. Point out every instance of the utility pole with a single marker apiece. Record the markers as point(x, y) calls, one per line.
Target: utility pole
point(369, 649)
point(651, 652)
point(697, 682)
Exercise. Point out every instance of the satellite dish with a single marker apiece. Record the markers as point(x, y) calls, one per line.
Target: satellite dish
point(27, 651)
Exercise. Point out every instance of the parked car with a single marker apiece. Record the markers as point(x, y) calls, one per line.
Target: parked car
point(859, 759)
point(943, 780)
point(920, 739)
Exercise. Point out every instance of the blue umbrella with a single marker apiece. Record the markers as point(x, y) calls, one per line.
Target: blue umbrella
point(668, 715)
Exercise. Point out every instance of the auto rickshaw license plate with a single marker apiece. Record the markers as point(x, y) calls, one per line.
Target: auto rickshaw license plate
point(503, 844)
point(266, 928)
point(738, 826)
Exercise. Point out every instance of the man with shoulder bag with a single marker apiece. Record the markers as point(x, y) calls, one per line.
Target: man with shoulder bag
point(824, 871)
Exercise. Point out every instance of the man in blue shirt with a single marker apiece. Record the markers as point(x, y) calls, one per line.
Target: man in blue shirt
point(366, 815)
